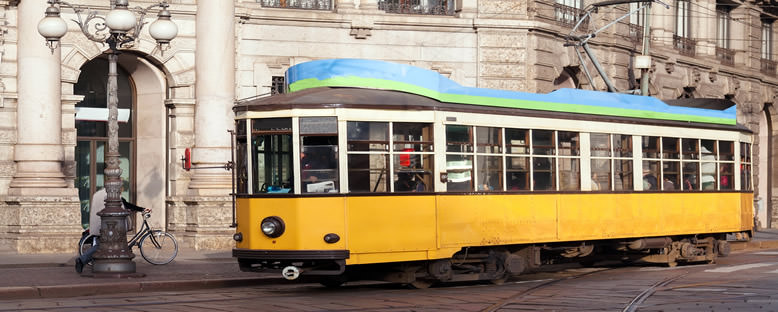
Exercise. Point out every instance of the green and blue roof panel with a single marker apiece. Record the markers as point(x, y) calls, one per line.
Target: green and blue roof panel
point(399, 77)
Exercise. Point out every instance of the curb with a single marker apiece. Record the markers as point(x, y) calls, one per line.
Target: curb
point(58, 291)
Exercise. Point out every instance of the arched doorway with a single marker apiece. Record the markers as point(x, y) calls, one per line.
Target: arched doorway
point(142, 134)
point(92, 131)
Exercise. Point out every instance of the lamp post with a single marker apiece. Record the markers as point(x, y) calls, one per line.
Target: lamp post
point(120, 28)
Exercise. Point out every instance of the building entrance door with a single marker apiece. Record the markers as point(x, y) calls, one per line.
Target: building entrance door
point(92, 132)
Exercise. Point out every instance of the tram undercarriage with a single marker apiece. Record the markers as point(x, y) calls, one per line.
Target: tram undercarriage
point(498, 263)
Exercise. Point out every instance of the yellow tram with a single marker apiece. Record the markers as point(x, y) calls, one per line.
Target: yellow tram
point(374, 170)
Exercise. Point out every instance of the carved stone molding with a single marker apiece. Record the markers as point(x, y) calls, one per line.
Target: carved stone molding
point(361, 32)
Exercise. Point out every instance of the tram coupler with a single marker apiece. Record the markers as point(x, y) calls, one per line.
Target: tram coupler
point(291, 273)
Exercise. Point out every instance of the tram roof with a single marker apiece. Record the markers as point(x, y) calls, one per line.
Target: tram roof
point(303, 78)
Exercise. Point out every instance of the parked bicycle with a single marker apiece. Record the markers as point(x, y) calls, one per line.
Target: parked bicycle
point(156, 246)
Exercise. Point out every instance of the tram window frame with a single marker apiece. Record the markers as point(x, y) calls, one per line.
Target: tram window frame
point(278, 132)
point(412, 157)
point(622, 157)
point(612, 152)
point(522, 139)
point(709, 179)
point(671, 148)
point(726, 150)
point(402, 131)
point(460, 164)
point(241, 159)
point(690, 164)
point(319, 138)
point(568, 160)
point(548, 147)
point(517, 161)
point(368, 149)
point(543, 160)
point(489, 158)
point(600, 163)
point(726, 165)
point(544, 169)
point(406, 156)
point(455, 146)
point(651, 147)
point(746, 182)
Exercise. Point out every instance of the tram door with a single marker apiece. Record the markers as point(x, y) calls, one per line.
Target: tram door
point(92, 132)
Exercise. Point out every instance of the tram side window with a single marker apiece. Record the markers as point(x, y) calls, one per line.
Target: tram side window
point(622, 162)
point(601, 162)
point(543, 168)
point(671, 167)
point(517, 166)
point(368, 156)
point(745, 167)
point(690, 155)
point(489, 158)
point(727, 165)
point(708, 153)
point(652, 180)
point(650, 175)
point(459, 159)
point(271, 156)
point(569, 161)
point(413, 157)
point(319, 155)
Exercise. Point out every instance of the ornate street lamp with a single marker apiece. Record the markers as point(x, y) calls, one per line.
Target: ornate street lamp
point(120, 28)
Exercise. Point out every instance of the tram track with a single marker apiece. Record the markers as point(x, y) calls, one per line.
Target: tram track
point(631, 306)
point(544, 284)
point(640, 298)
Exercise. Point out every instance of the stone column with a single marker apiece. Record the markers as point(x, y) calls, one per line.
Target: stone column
point(206, 205)
point(662, 25)
point(41, 212)
point(469, 8)
point(215, 94)
point(344, 6)
point(38, 152)
point(368, 5)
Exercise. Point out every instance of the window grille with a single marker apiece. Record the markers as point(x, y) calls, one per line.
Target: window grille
point(277, 85)
point(426, 7)
point(298, 4)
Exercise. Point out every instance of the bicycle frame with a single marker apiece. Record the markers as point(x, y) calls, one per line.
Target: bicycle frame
point(144, 229)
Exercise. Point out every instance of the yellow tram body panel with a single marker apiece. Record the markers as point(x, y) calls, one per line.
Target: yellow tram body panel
point(304, 218)
point(389, 228)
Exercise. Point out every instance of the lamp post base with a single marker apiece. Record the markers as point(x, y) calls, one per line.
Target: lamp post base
point(114, 269)
point(120, 266)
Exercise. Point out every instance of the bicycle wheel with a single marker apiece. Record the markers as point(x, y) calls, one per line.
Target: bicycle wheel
point(86, 243)
point(158, 247)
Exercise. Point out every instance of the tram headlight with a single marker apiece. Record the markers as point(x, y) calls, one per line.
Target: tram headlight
point(272, 226)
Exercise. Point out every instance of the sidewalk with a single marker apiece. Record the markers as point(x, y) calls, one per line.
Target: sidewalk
point(53, 275)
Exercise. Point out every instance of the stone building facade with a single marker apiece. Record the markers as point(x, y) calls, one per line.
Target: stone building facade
point(52, 136)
